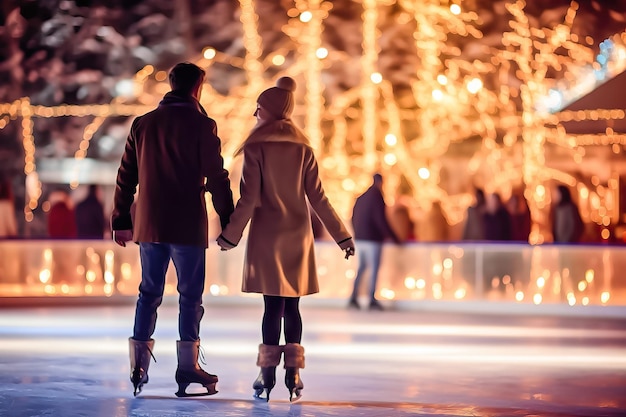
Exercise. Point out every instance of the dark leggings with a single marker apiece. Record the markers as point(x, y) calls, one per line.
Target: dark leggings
point(277, 307)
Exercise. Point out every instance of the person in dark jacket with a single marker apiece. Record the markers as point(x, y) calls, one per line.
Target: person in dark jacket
point(474, 228)
point(371, 229)
point(520, 217)
point(567, 225)
point(170, 153)
point(496, 219)
point(90, 216)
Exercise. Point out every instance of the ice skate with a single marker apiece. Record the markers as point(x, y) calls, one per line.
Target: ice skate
point(267, 359)
point(140, 353)
point(189, 372)
point(294, 361)
point(375, 305)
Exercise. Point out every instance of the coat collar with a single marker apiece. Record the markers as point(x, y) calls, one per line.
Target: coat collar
point(283, 130)
point(175, 98)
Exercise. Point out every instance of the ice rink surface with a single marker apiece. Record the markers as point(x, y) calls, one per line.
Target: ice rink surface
point(73, 361)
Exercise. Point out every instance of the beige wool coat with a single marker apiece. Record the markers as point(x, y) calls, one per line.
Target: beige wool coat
point(279, 174)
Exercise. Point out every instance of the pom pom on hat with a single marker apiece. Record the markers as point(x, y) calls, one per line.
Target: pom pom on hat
point(279, 100)
point(286, 83)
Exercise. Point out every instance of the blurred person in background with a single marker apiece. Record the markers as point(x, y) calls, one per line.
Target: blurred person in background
point(496, 219)
point(474, 228)
point(62, 225)
point(519, 213)
point(90, 221)
point(568, 228)
point(473, 231)
point(371, 229)
point(400, 219)
point(519, 258)
point(62, 216)
point(8, 222)
point(567, 225)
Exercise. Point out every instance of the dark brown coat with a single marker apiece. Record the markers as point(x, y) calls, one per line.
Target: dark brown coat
point(169, 153)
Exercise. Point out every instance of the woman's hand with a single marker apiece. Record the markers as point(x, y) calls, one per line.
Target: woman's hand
point(224, 244)
point(348, 247)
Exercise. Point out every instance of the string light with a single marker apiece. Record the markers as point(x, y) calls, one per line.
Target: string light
point(311, 47)
point(369, 91)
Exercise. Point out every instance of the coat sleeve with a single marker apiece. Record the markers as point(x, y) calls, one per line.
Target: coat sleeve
point(380, 218)
point(218, 183)
point(126, 184)
point(250, 192)
point(319, 201)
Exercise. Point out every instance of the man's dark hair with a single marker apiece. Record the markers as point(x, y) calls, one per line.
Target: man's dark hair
point(479, 193)
point(185, 76)
point(566, 195)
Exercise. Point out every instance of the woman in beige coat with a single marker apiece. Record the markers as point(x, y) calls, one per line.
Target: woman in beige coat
point(279, 175)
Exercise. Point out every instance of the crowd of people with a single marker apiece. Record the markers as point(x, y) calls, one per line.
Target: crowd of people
point(65, 219)
point(490, 219)
point(84, 220)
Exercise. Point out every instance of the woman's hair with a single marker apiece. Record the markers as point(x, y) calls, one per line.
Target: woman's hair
point(185, 76)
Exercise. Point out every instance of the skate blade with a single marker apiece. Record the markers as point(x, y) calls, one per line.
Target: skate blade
point(258, 395)
point(210, 391)
point(137, 390)
point(296, 396)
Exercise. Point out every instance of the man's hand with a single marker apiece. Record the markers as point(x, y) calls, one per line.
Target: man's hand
point(122, 236)
point(224, 244)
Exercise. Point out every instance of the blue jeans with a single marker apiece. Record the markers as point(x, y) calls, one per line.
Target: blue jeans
point(368, 256)
point(189, 262)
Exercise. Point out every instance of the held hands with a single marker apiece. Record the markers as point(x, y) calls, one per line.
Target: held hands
point(122, 236)
point(224, 244)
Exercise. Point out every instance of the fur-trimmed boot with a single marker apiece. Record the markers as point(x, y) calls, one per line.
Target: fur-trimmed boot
point(267, 359)
point(294, 361)
point(189, 371)
point(140, 353)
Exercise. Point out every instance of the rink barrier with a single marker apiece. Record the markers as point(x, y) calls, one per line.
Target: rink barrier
point(417, 275)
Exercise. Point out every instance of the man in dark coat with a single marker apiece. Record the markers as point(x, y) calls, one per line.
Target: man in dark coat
point(169, 153)
point(371, 229)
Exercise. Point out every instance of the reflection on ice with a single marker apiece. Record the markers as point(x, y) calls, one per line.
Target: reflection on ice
point(74, 362)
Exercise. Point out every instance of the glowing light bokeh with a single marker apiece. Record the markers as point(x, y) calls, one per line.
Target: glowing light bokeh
point(474, 99)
